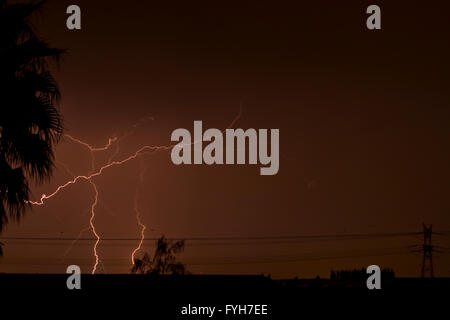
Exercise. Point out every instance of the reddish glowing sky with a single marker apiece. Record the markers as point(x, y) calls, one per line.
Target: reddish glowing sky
point(364, 121)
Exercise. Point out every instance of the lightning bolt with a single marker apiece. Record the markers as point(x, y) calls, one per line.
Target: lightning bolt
point(96, 193)
point(112, 163)
point(141, 151)
point(92, 150)
point(91, 223)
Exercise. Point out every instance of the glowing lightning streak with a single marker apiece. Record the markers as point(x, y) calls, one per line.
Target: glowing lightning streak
point(91, 222)
point(92, 149)
point(99, 172)
point(139, 152)
point(94, 186)
point(138, 213)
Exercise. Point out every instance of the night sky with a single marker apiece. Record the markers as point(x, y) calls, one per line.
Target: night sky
point(364, 119)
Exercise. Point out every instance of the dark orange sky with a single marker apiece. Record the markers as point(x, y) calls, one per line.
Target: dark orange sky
point(364, 119)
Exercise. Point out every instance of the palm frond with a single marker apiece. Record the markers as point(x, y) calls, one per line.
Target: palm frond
point(14, 192)
point(30, 123)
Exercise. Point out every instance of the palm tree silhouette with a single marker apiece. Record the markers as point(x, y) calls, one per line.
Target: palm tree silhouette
point(30, 124)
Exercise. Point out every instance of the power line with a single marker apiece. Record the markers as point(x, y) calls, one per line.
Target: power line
point(261, 238)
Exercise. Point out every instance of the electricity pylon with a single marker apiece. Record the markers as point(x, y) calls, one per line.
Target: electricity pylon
point(427, 247)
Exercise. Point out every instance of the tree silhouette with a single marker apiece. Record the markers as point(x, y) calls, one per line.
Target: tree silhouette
point(164, 260)
point(30, 124)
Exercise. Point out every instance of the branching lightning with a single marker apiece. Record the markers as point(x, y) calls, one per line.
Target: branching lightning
point(98, 172)
point(111, 141)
